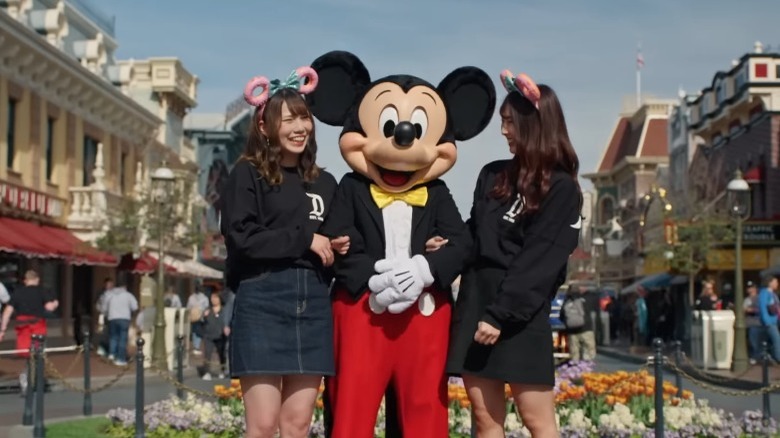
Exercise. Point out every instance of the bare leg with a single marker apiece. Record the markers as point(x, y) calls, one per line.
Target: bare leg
point(536, 405)
point(262, 403)
point(299, 392)
point(488, 405)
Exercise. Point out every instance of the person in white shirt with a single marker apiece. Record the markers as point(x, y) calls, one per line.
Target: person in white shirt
point(197, 303)
point(171, 299)
point(118, 307)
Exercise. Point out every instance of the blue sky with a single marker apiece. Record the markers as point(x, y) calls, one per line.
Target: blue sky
point(585, 50)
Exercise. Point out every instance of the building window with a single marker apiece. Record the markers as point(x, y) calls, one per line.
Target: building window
point(122, 176)
point(777, 71)
point(11, 136)
point(761, 70)
point(740, 80)
point(50, 147)
point(607, 210)
point(721, 92)
point(90, 154)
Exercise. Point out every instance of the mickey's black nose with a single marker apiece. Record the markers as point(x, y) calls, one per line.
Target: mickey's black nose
point(404, 134)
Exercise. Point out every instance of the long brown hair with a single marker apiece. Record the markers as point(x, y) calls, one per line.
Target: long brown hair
point(265, 153)
point(542, 146)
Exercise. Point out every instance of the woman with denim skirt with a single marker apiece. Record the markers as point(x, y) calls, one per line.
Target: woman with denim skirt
point(275, 201)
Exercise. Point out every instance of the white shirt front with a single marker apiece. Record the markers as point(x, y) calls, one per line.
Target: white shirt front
point(398, 230)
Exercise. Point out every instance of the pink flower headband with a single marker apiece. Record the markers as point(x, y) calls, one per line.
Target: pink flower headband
point(523, 84)
point(296, 81)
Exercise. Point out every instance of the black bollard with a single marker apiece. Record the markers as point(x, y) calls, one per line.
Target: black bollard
point(29, 393)
point(658, 345)
point(766, 413)
point(87, 376)
point(139, 389)
point(38, 429)
point(678, 361)
point(180, 366)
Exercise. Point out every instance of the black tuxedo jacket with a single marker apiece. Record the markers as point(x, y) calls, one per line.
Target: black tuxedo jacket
point(354, 213)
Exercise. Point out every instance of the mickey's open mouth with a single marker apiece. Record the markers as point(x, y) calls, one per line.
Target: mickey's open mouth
point(394, 178)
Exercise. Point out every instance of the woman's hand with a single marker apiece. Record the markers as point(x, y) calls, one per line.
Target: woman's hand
point(486, 334)
point(340, 244)
point(320, 245)
point(434, 243)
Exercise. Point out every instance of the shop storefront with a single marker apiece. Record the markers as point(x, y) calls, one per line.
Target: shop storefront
point(31, 237)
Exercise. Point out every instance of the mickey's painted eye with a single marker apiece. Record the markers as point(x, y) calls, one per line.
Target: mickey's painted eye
point(387, 120)
point(420, 121)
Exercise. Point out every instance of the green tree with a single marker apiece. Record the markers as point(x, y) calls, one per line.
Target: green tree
point(176, 216)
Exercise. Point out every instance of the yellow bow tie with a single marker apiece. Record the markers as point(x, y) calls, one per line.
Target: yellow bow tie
point(414, 197)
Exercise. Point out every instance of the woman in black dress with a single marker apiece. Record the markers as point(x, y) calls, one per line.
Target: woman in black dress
point(275, 202)
point(526, 222)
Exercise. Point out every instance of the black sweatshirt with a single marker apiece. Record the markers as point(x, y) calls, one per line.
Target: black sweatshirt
point(271, 227)
point(533, 249)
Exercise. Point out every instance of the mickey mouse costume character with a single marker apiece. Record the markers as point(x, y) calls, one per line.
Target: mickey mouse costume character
point(391, 301)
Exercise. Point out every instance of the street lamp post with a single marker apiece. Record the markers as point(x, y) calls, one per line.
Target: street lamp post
point(162, 180)
point(598, 242)
point(739, 207)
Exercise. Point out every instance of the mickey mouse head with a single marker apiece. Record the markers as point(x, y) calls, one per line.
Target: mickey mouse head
point(400, 131)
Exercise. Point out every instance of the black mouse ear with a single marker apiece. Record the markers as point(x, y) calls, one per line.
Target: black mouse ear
point(470, 97)
point(341, 76)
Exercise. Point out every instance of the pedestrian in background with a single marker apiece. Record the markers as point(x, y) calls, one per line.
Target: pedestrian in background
point(197, 303)
point(213, 330)
point(118, 306)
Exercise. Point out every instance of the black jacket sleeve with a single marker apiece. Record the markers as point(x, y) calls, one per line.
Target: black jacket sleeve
point(353, 269)
point(448, 262)
point(243, 229)
point(549, 239)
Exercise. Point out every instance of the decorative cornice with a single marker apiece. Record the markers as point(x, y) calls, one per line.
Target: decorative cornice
point(65, 82)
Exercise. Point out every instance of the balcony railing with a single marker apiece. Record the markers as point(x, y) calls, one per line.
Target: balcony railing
point(168, 75)
point(90, 208)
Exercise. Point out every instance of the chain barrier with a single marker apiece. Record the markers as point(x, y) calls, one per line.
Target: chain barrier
point(166, 375)
point(55, 373)
point(52, 371)
point(703, 375)
point(714, 388)
point(79, 352)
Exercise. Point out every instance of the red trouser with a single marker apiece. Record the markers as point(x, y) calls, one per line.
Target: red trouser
point(371, 349)
point(26, 326)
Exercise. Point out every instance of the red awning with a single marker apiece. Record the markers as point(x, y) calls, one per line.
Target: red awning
point(35, 240)
point(144, 264)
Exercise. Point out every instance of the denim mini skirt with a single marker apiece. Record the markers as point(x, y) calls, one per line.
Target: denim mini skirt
point(282, 324)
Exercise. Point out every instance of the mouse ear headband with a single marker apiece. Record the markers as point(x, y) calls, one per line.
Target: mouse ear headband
point(523, 84)
point(303, 80)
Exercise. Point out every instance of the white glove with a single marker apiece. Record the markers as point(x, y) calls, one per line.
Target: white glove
point(400, 281)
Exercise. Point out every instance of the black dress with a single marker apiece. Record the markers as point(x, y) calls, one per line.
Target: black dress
point(519, 262)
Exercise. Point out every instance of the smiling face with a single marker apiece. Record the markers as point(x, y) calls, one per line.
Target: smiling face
point(294, 128)
point(400, 148)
